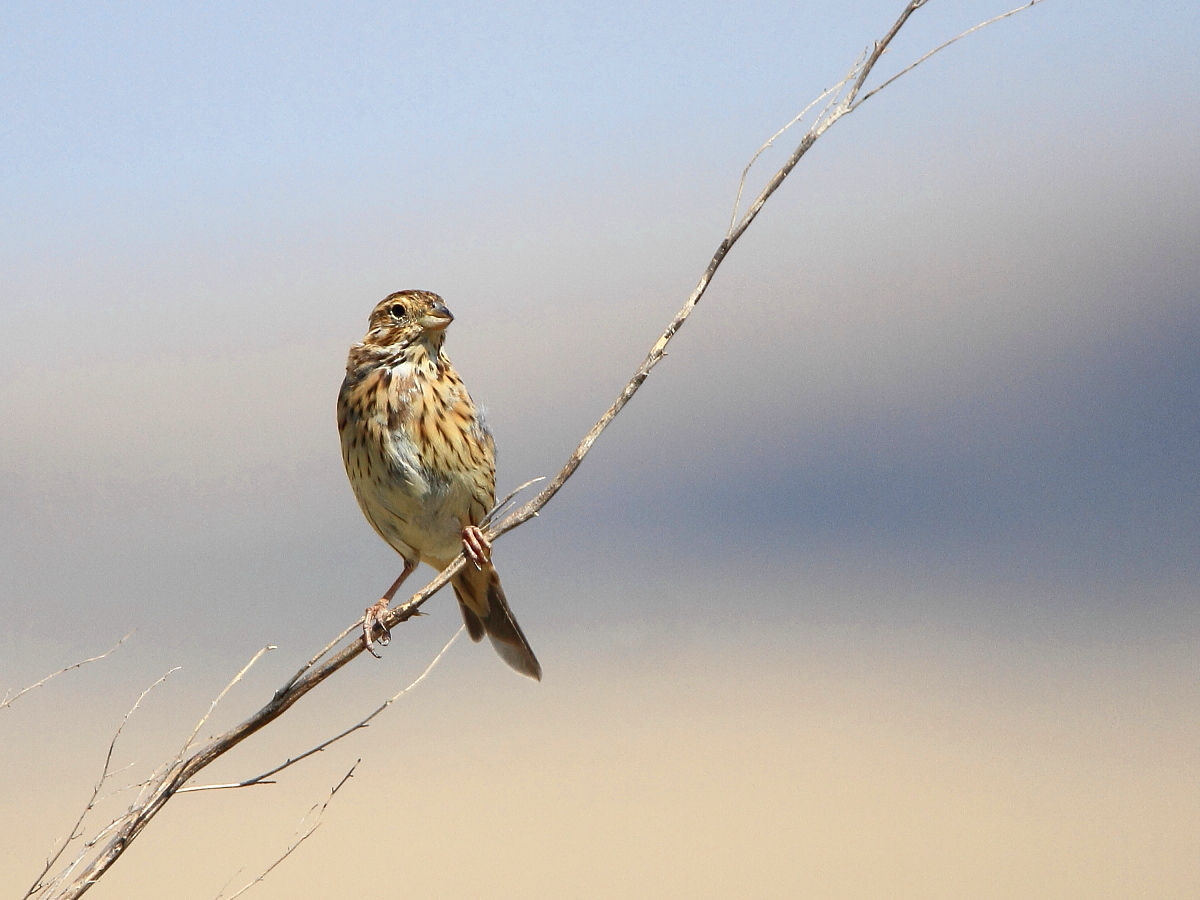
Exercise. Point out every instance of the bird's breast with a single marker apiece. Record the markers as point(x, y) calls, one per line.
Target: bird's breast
point(418, 473)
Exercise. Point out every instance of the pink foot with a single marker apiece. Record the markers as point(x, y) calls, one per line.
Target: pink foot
point(373, 616)
point(373, 624)
point(476, 547)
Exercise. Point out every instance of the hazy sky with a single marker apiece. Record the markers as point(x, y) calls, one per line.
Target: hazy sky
point(946, 388)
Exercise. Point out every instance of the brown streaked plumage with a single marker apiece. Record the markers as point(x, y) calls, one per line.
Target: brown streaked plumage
point(421, 462)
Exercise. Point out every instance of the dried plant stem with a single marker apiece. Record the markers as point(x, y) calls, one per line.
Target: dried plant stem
point(40, 886)
point(221, 696)
point(834, 111)
point(262, 779)
point(173, 778)
point(10, 697)
point(308, 832)
point(938, 49)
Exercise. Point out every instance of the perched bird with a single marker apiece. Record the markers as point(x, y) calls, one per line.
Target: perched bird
point(421, 461)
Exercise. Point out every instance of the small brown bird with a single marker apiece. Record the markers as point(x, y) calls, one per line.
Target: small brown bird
point(421, 461)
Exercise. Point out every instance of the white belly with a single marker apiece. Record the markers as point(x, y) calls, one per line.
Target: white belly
point(420, 514)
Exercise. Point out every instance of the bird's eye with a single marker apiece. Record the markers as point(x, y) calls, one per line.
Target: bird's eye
point(397, 310)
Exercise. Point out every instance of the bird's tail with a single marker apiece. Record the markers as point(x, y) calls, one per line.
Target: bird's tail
point(485, 611)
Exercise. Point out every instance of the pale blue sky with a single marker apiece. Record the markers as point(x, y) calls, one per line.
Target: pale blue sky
point(131, 114)
point(958, 342)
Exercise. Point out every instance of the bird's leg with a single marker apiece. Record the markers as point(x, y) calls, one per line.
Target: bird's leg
point(476, 547)
point(373, 616)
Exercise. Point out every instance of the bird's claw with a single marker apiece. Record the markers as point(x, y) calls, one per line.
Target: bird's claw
point(476, 547)
point(372, 624)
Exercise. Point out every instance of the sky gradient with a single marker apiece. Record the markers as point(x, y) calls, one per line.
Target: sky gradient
point(884, 584)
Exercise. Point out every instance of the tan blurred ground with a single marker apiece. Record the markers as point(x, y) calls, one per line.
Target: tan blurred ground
point(846, 766)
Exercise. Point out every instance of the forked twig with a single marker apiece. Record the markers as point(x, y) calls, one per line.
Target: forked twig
point(837, 108)
point(938, 49)
point(300, 840)
point(770, 142)
point(74, 834)
point(262, 779)
point(221, 696)
point(500, 507)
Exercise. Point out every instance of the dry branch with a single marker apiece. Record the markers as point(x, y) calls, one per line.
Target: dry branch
point(316, 822)
point(846, 97)
point(40, 886)
point(262, 779)
point(10, 697)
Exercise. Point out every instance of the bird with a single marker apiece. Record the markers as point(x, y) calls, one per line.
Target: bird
point(421, 462)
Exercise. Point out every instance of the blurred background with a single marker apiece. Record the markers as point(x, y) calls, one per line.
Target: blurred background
point(884, 585)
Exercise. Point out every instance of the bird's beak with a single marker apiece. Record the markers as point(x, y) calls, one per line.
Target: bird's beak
point(437, 318)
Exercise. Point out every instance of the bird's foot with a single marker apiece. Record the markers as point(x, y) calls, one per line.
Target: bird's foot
point(476, 547)
point(373, 626)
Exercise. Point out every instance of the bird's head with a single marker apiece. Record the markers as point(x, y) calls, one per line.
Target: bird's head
point(406, 317)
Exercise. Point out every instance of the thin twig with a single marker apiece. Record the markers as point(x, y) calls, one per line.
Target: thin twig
point(221, 696)
point(262, 779)
point(354, 626)
point(75, 833)
point(304, 837)
point(84, 849)
point(499, 507)
point(1012, 12)
point(770, 142)
point(115, 791)
point(10, 700)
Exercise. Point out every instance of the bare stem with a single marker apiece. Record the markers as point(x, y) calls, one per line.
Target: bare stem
point(308, 832)
point(262, 779)
point(221, 696)
point(10, 697)
point(75, 832)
